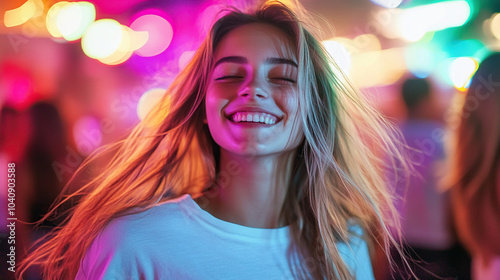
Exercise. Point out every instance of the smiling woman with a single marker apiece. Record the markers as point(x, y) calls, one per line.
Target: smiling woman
point(254, 77)
point(259, 169)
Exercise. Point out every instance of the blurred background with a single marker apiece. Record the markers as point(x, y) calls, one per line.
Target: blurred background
point(77, 75)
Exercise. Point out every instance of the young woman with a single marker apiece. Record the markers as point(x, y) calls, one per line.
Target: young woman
point(255, 165)
point(475, 172)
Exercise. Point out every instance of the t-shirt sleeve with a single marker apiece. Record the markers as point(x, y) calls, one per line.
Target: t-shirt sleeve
point(116, 254)
point(357, 257)
point(104, 259)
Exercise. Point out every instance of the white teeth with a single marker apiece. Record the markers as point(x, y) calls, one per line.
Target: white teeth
point(255, 117)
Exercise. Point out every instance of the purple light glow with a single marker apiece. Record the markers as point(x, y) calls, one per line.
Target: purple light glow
point(160, 34)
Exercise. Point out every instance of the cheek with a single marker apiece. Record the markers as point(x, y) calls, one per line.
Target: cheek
point(294, 122)
point(210, 104)
point(211, 101)
point(289, 103)
point(294, 107)
point(214, 105)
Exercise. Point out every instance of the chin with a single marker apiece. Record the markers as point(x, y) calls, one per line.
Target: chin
point(259, 150)
point(249, 150)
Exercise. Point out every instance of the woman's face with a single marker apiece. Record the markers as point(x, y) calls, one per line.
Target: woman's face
point(252, 97)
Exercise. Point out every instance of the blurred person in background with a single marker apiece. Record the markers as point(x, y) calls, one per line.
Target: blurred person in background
point(474, 177)
point(46, 147)
point(423, 205)
point(15, 131)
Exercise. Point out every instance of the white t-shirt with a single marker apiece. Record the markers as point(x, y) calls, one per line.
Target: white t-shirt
point(179, 240)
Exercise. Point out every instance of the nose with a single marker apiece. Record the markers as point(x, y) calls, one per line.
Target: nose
point(253, 89)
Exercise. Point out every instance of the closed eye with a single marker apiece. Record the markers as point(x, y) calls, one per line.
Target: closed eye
point(284, 79)
point(228, 77)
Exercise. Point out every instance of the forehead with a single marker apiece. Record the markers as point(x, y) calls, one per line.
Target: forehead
point(256, 40)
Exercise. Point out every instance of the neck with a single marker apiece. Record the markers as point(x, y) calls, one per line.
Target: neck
point(250, 190)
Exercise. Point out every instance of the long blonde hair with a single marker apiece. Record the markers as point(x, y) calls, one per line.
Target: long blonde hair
point(338, 176)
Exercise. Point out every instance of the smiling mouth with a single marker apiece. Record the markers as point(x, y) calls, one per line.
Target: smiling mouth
point(253, 117)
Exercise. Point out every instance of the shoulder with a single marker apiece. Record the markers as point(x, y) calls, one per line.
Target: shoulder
point(128, 244)
point(172, 220)
point(157, 218)
point(355, 254)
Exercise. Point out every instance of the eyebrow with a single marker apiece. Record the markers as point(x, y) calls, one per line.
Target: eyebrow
point(243, 60)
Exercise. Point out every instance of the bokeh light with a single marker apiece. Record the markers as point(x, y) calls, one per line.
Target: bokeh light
point(339, 54)
point(129, 42)
point(148, 100)
point(461, 71)
point(112, 43)
point(378, 68)
point(102, 38)
point(366, 43)
point(124, 50)
point(74, 18)
point(495, 25)
point(16, 86)
point(51, 19)
point(160, 34)
point(414, 23)
point(20, 15)
point(388, 3)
